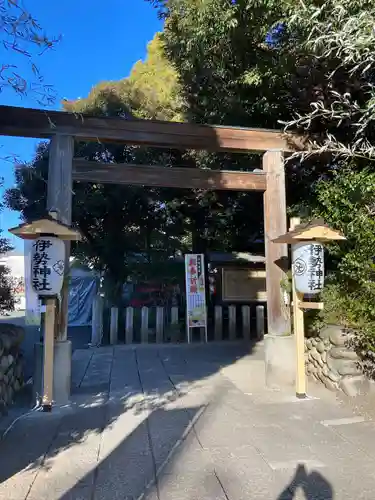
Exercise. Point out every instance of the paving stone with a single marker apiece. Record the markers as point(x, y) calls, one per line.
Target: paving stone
point(80, 362)
point(128, 431)
point(202, 485)
point(244, 483)
point(22, 451)
point(121, 476)
point(222, 434)
point(358, 435)
point(71, 457)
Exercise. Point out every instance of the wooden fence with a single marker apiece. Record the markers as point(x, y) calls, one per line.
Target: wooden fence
point(164, 325)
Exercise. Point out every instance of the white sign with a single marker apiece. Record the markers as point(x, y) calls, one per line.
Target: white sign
point(47, 265)
point(32, 315)
point(308, 267)
point(196, 313)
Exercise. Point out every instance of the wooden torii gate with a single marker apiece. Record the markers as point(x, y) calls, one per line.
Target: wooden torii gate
point(64, 128)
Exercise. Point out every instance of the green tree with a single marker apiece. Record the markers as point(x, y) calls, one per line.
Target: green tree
point(118, 222)
point(347, 202)
point(306, 65)
point(151, 91)
point(6, 289)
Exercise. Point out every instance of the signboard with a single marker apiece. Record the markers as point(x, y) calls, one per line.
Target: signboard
point(47, 265)
point(32, 316)
point(243, 285)
point(196, 312)
point(308, 267)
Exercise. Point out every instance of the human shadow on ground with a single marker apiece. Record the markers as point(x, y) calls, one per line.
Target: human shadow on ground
point(313, 484)
point(36, 442)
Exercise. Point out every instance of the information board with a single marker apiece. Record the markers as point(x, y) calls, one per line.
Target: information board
point(196, 310)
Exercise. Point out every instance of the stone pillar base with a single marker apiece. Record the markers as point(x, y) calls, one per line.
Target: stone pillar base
point(62, 371)
point(280, 361)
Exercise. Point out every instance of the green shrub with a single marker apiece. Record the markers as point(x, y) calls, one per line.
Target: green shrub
point(347, 202)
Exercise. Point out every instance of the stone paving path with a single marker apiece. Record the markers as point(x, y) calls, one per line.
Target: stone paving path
point(187, 423)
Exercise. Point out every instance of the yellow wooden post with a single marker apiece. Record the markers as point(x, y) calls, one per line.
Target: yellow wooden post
point(49, 339)
point(299, 331)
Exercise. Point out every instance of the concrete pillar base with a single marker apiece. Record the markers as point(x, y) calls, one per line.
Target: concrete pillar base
point(62, 372)
point(280, 361)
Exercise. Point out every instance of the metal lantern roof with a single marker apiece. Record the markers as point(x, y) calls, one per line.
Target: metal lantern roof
point(47, 225)
point(315, 230)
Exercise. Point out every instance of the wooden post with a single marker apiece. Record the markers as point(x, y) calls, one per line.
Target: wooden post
point(174, 315)
point(97, 320)
point(218, 323)
point(49, 333)
point(159, 325)
point(299, 331)
point(129, 322)
point(144, 325)
point(174, 326)
point(59, 199)
point(113, 329)
point(259, 311)
point(246, 322)
point(275, 223)
point(232, 322)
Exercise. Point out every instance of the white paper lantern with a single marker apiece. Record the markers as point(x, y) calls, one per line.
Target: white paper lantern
point(47, 265)
point(308, 267)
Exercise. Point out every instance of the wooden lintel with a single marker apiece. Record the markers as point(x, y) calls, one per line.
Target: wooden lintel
point(38, 123)
point(173, 177)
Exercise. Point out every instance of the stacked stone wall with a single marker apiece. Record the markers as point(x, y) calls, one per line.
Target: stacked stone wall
point(11, 367)
point(330, 360)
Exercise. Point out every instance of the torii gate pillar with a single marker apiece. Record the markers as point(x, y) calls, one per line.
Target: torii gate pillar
point(279, 344)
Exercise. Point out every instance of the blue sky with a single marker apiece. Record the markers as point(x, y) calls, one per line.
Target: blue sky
point(100, 41)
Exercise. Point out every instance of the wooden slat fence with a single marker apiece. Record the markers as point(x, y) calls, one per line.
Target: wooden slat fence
point(167, 325)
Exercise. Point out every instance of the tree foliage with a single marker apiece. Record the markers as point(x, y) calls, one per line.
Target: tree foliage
point(340, 39)
point(309, 66)
point(347, 202)
point(121, 221)
point(151, 91)
point(117, 222)
point(6, 289)
point(257, 63)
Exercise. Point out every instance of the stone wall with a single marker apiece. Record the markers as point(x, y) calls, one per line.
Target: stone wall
point(11, 370)
point(329, 359)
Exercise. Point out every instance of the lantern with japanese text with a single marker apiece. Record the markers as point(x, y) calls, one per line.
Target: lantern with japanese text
point(308, 254)
point(306, 241)
point(47, 265)
point(48, 252)
point(308, 267)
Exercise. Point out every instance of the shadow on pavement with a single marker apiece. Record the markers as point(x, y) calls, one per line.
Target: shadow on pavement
point(129, 470)
point(313, 484)
point(115, 440)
